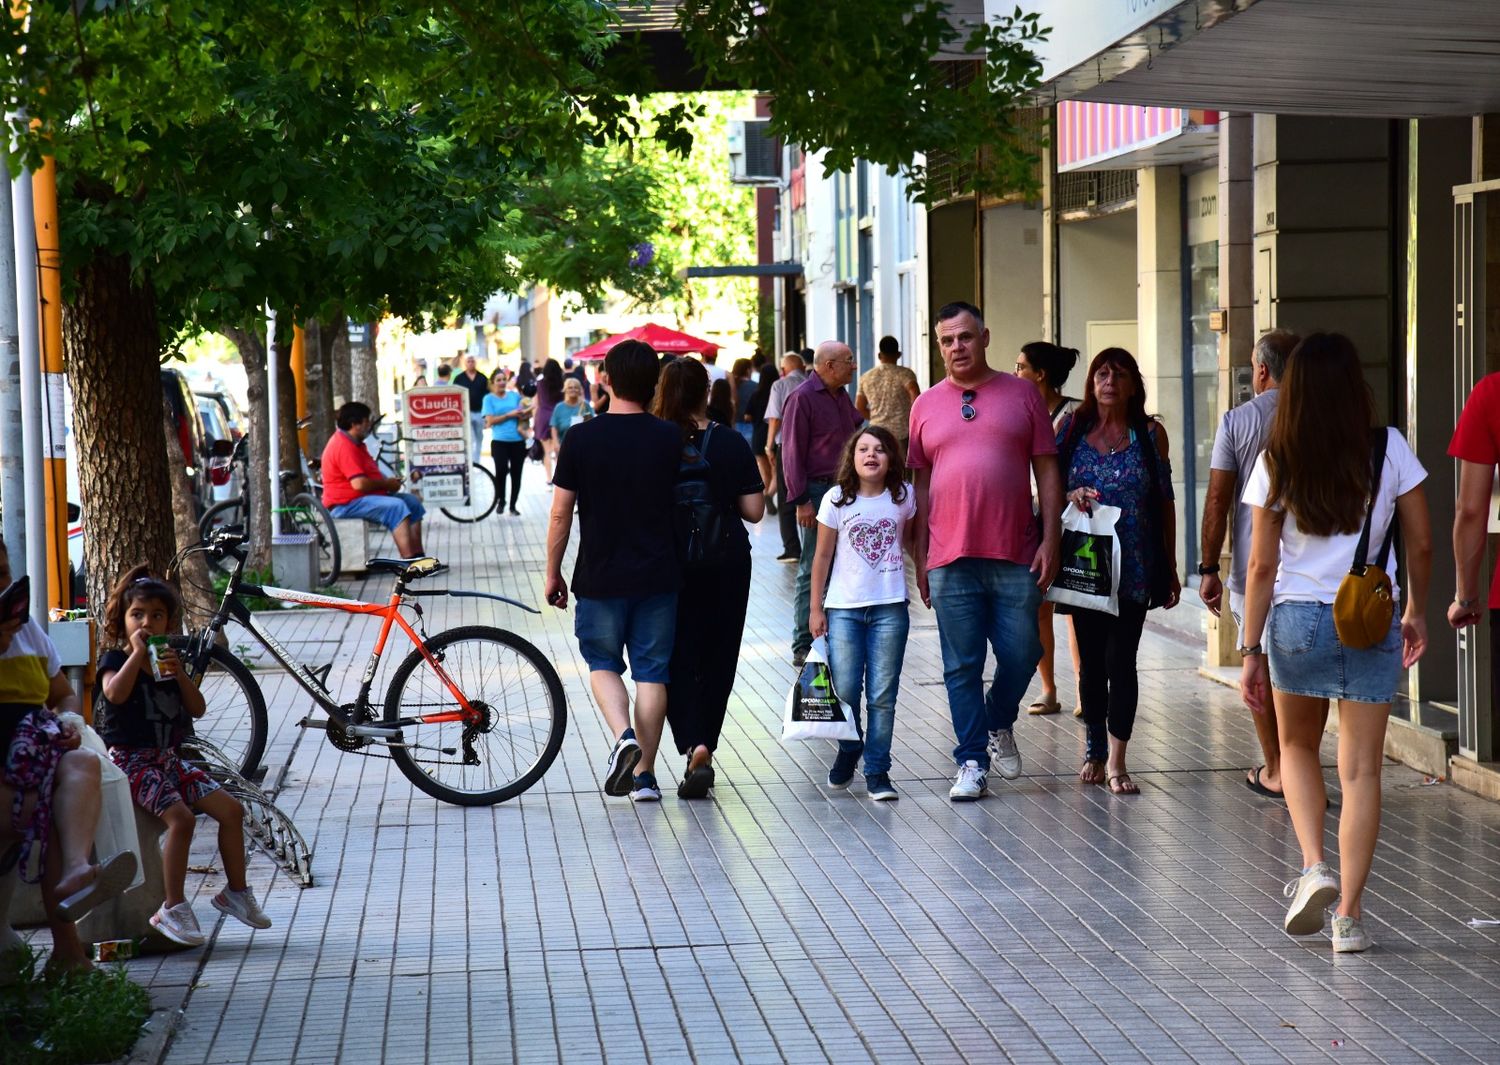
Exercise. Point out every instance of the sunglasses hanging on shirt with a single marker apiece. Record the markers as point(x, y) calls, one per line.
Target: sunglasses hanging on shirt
point(967, 410)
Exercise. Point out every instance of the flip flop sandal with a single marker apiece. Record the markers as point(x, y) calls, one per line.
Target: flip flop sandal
point(110, 878)
point(1042, 706)
point(1097, 765)
point(1128, 787)
point(1253, 783)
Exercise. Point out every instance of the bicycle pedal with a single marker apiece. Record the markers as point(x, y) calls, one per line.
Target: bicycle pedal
point(308, 722)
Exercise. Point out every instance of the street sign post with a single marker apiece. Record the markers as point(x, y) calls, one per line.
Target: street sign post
point(435, 434)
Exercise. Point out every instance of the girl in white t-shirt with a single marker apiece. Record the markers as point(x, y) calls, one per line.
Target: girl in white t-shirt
point(864, 533)
point(1310, 496)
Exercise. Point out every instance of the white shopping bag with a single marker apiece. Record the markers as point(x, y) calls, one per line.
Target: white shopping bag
point(813, 709)
point(1088, 576)
point(116, 831)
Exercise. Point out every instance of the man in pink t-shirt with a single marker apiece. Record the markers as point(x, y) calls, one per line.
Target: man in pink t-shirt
point(983, 560)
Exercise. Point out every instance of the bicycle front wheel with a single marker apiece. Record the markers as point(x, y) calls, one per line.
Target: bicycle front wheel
point(236, 718)
point(522, 716)
point(307, 514)
point(225, 512)
point(483, 496)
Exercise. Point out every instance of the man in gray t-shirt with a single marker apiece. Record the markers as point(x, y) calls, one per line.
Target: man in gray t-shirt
point(1240, 440)
point(793, 373)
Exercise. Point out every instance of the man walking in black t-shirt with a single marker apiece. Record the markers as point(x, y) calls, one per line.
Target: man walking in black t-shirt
point(621, 470)
point(479, 386)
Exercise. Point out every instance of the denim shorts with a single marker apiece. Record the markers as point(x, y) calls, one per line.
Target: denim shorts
point(641, 626)
point(1306, 657)
point(389, 511)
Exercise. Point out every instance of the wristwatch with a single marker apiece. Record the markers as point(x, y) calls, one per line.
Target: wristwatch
point(1246, 652)
point(1464, 603)
point(1204, 568)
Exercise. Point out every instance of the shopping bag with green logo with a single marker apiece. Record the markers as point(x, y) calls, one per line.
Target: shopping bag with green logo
point(813, 709)
point(1088, 576)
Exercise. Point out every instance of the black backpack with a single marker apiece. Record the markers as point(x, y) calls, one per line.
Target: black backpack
point(698, 519)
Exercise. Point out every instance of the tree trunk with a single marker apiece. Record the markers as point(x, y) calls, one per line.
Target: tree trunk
point(343, 368)
point(321, 340)
point(252, 346)
point(286, 389)
point(365, 378)
point(193, 577)
point(112, 345)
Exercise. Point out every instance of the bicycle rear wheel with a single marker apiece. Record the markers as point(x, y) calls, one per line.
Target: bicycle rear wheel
point(483, 496)
point(236, 718)
point(520, 698)
point(307, 514)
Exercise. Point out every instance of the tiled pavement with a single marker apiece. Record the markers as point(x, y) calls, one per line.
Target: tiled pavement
point(781, 922)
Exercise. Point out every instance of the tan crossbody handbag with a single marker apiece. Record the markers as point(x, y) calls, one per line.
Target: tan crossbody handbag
point(1364, 606)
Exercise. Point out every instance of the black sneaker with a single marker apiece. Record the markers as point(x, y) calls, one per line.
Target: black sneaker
point(695, 782)
point(645, 789)
point(844, 764)
point(879, 787)
point(621, 766)
point(787, 556)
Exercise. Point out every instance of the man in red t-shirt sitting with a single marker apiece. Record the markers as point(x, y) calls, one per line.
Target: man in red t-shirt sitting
point(353, 486)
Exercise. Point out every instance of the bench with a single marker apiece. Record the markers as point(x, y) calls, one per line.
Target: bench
point(358, 540)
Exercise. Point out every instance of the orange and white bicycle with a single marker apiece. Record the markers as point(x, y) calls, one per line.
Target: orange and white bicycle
point(473, 715)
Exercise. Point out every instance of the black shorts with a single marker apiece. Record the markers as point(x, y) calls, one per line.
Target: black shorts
point(758, 437)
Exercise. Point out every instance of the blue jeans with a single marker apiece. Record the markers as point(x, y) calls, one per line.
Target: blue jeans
point(477, 434)
point(866, 646)
point(745, 429)
point(979, 601)
point(640, 626)
point(801, 634)
point(389, 510)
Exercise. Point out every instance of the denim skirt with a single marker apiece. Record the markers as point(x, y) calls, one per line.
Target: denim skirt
point(1306, 657)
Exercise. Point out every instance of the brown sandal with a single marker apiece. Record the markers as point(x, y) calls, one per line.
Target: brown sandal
point(1121, 784)
point(1092, 771)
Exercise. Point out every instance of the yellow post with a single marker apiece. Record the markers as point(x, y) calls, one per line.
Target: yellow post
point(299, 376)
point(49, 288)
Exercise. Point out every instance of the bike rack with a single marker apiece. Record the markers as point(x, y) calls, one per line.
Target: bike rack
point(269, 826)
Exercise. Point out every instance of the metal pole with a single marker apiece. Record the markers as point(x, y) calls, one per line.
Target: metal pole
point(12, 439)
point(273, 408)
point(33, 403)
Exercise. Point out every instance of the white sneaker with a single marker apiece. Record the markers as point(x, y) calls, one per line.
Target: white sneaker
point(1349, 935)
point(970, 784)
point(1311, 893)
point(178, 924)
point(241, 905)
point(1004, 755)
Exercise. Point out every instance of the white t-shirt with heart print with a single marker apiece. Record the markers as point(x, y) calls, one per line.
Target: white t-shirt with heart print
point(868, 566)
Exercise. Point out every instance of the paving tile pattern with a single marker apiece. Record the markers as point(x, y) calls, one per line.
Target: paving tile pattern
point(780, 922)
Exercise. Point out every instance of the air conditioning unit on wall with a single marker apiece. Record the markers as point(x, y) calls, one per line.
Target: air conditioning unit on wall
point(754, 155)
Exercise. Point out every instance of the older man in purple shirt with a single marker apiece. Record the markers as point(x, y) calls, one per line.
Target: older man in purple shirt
point(815, 423)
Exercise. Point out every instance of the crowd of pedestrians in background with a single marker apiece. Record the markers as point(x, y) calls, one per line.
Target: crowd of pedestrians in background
point(969, 481)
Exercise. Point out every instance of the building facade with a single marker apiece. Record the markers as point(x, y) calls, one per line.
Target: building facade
point(1216, 170)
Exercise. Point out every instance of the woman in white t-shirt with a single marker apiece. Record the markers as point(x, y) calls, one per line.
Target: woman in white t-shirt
point(1310, 494)
point(864, 533)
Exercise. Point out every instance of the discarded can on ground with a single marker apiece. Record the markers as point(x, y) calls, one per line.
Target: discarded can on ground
point(114, 950)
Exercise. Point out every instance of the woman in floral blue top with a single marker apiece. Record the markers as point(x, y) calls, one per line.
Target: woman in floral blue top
point(1113, 454)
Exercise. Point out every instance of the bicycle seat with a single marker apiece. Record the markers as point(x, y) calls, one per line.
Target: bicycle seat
point(410, 569)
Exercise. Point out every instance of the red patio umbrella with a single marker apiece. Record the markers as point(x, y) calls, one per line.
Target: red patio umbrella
point(658, 336)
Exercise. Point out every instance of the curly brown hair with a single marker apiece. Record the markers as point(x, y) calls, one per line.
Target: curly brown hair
point(139, 585)
point(895, 473)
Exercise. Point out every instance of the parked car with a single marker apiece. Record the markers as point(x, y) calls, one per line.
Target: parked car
point(229, 411)
point(191, 435)
point(223, 476)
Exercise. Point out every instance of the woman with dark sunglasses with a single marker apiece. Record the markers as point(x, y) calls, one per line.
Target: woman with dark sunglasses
point(1112, 454)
